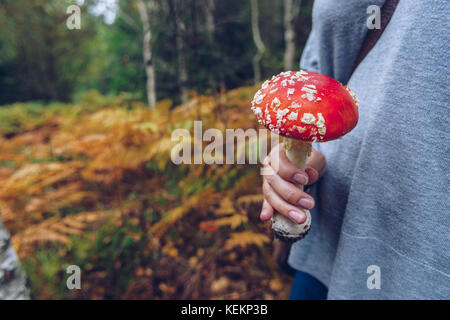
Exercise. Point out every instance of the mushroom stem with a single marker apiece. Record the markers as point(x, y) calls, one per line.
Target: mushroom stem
point(296, 151)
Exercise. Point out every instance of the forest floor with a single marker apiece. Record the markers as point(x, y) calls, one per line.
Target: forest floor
point(92, 184)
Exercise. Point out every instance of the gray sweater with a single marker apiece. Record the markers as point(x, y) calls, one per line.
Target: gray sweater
point(383, 213)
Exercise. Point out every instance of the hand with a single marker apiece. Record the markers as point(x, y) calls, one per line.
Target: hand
point(280, 193)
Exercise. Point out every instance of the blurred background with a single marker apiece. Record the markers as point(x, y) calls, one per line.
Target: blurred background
point(86, 116)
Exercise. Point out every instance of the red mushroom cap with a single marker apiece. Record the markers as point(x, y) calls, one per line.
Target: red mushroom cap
point(306, 105)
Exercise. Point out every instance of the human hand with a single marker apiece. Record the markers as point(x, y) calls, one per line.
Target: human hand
point(279, 186)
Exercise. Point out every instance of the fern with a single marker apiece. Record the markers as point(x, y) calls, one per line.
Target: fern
point(245, 239)
point(56, 230)
point(64, 172)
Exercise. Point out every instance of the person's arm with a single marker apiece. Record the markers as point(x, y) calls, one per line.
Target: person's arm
point(280, 193)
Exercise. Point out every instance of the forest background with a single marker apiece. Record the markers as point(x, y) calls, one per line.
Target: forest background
point(86, 116)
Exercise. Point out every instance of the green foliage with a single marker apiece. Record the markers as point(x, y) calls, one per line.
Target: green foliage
point(92, 184)
point(20, 117)
point(44, 59)
point(40, 59)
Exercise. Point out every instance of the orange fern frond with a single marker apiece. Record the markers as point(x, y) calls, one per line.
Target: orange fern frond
point(245, 239)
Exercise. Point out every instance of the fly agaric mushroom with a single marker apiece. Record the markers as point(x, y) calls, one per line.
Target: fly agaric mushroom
point(303, 107)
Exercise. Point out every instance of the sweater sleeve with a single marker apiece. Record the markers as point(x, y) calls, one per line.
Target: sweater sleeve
point(309, 60)
point(337, 34)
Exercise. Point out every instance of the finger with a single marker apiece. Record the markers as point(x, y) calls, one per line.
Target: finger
point(317, 161)
point(266, 211)
point(281, 206)
point(313, 175)
point(286, 169)
point(315, 166)
point(290, 192)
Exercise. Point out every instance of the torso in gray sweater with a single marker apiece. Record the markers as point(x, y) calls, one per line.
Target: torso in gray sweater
point(383, 204)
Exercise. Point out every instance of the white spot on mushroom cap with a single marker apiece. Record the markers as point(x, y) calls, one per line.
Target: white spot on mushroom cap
point(308, 96)
point(275, 102)
point(300, 76)
point(259, 97)
point(293, 116)
point(353, 95)
point(257, 111)
point(290, 91)
point(266, 111)
point(282, 112)
point(308, 118)
point(321, 120)
point(280, 117)
point(309, 89)
point(299, 129)
point(322, 129)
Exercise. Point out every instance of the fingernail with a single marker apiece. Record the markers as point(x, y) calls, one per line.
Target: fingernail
point(300, 178)
point(306, 203)
point(264, 215)
point(298, 217)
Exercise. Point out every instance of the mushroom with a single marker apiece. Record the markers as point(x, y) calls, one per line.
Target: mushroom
point(303, 107)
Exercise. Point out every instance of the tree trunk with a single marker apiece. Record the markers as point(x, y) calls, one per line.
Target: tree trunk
point(180, 31)
point(209, 19)
point(144, 12)
point(210, 28)
point(290, 11)
point(258, 41)
point(13, 281)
